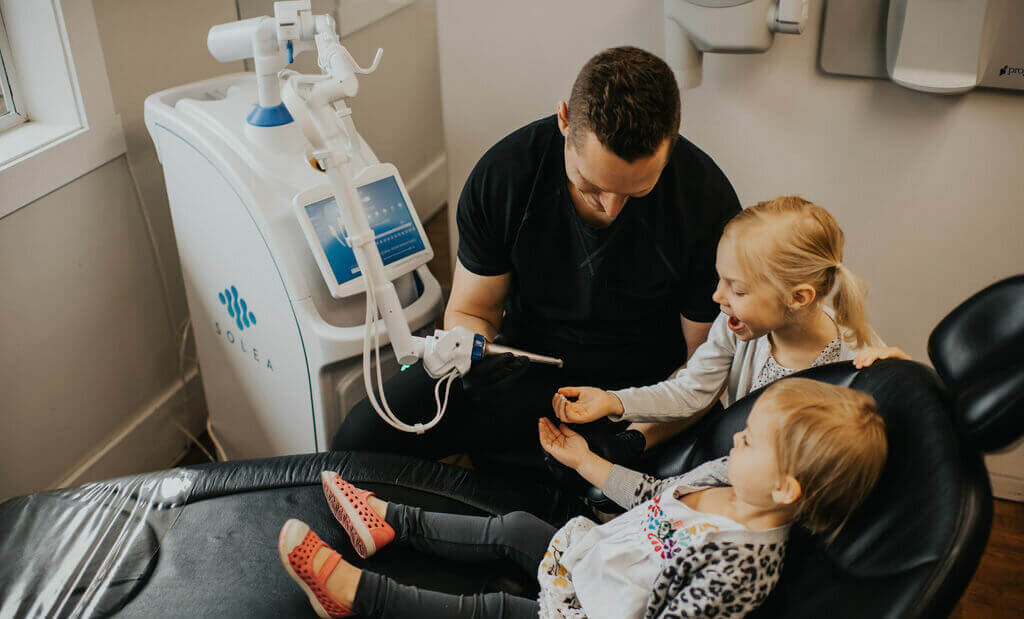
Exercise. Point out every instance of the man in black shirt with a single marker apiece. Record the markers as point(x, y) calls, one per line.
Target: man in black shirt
point(584, 236)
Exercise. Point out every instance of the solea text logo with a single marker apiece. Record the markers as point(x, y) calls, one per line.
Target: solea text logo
point(237, 308)
point(242, 318)
point(1007, 70)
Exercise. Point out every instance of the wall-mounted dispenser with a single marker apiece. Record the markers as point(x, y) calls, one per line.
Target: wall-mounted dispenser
point(693, 27)
point(935, 45)
point(938, 46)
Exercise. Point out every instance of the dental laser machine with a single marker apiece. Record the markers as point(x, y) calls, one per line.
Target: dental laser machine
point(273, 264)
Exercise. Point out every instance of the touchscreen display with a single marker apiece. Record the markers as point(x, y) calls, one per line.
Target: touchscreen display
point(389, 217)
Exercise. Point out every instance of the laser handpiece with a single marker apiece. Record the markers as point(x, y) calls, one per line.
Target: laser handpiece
point(497, 349)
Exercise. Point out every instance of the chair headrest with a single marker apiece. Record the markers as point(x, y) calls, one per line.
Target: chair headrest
point(925, 504)
point(976, 350)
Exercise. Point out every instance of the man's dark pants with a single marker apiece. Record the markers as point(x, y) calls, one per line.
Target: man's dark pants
point(482, 421)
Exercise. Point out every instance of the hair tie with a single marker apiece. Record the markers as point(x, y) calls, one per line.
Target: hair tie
point(838, 266)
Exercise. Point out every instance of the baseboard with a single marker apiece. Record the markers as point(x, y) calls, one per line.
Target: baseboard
point(1006, 487)
point(429, 187)
point(150, 440)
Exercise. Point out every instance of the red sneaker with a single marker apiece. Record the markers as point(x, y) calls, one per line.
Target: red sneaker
point(297, 545)
point(368, 531)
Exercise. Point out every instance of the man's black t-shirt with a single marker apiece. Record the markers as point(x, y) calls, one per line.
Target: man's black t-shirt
point(607, 300)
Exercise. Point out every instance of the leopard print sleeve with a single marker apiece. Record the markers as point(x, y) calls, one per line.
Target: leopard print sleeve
point(629, 488)
point(716, 579)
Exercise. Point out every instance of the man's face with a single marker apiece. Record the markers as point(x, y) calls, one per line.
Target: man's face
point(600, 182)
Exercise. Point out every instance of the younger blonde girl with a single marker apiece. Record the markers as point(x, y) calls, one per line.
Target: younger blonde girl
point(778, 262)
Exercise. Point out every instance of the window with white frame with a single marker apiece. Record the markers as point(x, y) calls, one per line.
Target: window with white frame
point(11, 111)
point(55, 82)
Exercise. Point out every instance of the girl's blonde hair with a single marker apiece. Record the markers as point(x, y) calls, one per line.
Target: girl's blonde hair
point(800, 243)
point(831, 439)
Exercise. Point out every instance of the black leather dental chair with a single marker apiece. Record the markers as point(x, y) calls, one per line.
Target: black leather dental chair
point(201, 541)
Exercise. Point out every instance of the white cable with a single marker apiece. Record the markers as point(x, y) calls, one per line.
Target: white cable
point(449, 378)
point(217, 447)
point(382, 408)
point(185, 328)
point(193, 439)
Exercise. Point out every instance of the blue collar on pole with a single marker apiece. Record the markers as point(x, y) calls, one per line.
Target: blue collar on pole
point(269, 116)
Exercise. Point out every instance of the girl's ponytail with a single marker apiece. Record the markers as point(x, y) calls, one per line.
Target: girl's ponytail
point(802, 243)
point(848, 302)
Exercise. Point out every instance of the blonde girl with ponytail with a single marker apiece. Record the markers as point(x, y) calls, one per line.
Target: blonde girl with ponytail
point(788, 303)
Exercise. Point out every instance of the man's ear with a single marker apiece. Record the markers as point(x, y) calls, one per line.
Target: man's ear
point(563, 118)
point(787, 492)
point(801, 297)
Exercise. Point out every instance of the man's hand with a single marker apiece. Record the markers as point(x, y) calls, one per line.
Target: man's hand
point(872, 353)
point(563, 444)
point(494, 373)
point(590, 404)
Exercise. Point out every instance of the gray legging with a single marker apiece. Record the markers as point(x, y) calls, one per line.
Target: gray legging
point(519, 537)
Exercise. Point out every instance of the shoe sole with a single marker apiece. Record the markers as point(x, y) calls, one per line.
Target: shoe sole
point(292, 534)
point(348, 517)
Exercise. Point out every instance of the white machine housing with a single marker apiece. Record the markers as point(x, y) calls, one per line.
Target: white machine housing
point(280, 356)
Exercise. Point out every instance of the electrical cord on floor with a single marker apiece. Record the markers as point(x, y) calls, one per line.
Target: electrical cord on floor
point(194, 440)
point(185, 329)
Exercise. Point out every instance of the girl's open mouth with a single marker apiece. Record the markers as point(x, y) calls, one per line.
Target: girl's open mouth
point(735, 324)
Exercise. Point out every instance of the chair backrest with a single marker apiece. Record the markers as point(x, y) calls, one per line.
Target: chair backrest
point(977, 350)
point(911, 548)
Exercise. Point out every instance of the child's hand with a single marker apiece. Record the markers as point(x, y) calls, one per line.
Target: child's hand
point(563, 444)
point(872, 353)
point(591, 404)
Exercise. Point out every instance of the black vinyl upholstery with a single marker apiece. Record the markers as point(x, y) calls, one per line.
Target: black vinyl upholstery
point(219, 558)
point(909, 551)
point(976, 350)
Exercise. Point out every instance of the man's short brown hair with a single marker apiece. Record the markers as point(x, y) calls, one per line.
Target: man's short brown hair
point(629, 99)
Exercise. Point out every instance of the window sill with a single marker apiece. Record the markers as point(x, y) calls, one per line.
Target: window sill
point(23, 140)
point(37, 158)
point(73, 127)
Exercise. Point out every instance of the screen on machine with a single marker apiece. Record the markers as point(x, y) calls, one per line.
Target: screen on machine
point(389, 217)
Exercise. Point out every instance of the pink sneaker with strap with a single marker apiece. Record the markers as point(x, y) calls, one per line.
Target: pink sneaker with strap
point(367, 530)
point(297, 545)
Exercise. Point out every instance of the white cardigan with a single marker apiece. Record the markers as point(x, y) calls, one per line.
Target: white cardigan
point(723, 357)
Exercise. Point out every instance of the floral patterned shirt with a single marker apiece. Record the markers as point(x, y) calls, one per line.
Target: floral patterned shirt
point(649, 561)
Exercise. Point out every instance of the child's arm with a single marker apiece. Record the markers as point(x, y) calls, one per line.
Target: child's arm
point(629, 488)
point(692, 390)
point(571, 449)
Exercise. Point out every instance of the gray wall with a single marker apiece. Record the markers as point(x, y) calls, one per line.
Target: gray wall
point(92, 307)
point(926, 187)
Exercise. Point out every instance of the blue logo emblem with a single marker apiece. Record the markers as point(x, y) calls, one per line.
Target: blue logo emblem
point(237, 308)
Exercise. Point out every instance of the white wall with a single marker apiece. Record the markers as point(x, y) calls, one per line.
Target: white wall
point(926, 187)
